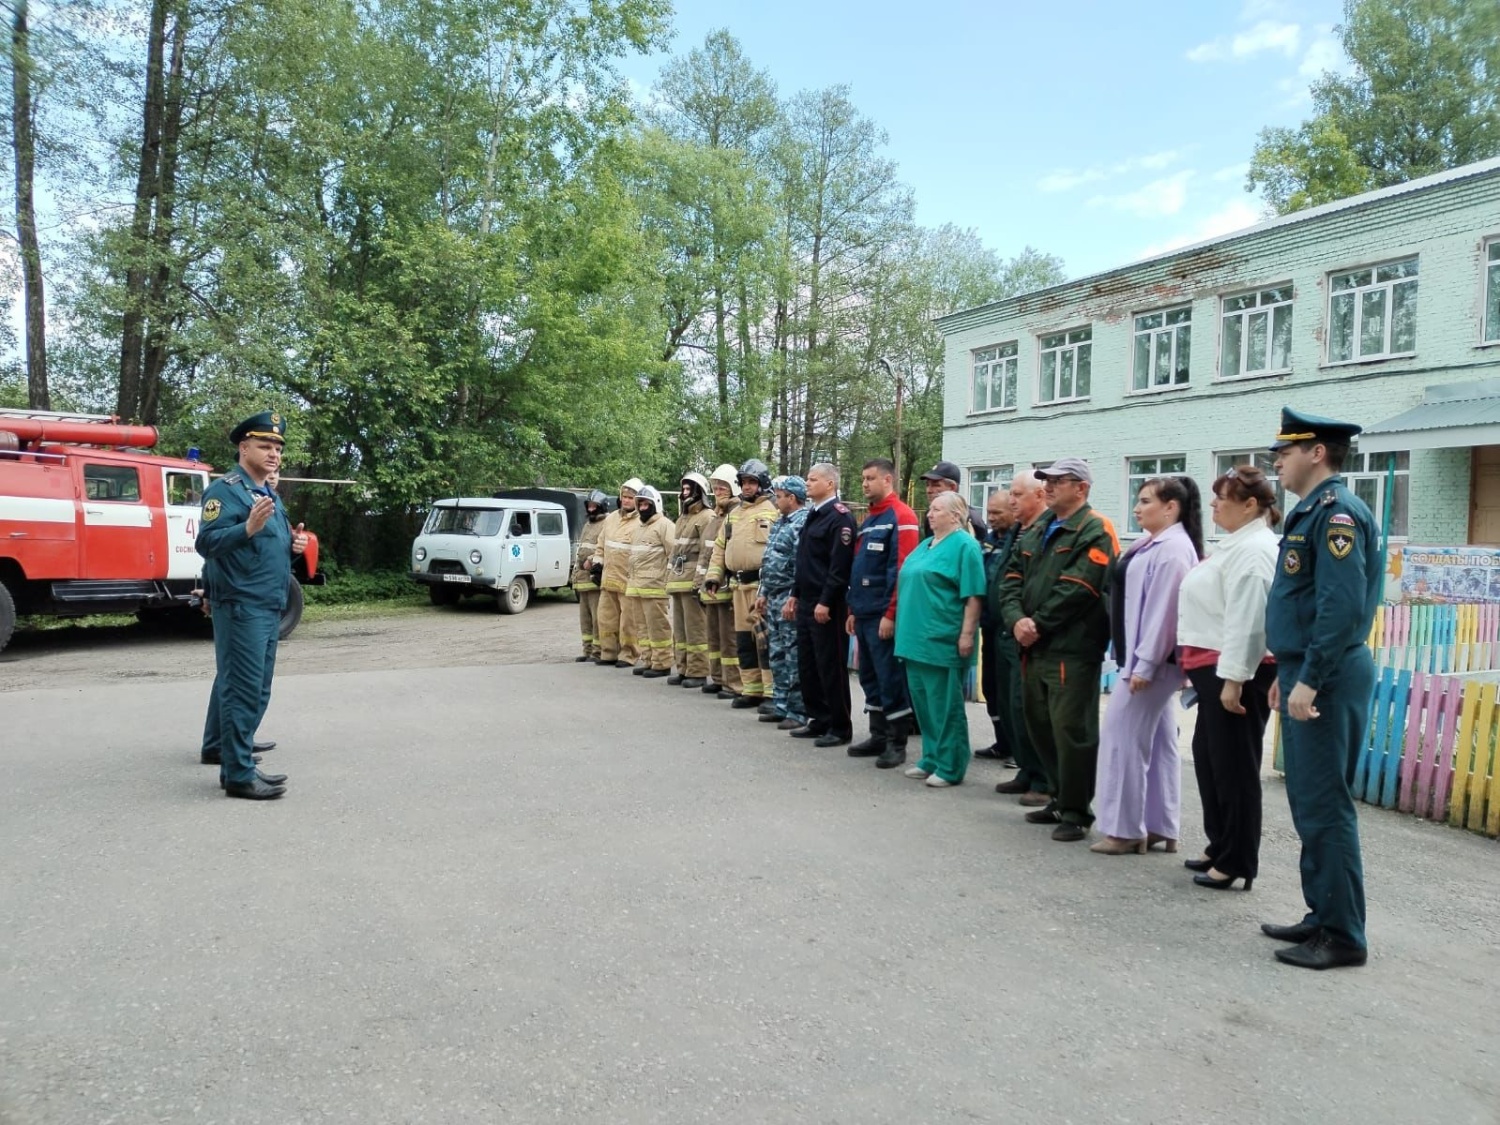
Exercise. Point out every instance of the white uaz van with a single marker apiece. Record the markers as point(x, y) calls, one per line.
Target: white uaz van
point(502, 547)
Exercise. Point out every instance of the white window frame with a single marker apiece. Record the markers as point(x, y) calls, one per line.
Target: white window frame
point(1164, 335)
point(1134, 480)
point(1270, 309)
point(1367, 468)
point(1002, 365)
point(1226, 459)
point(1069, 345)
point(989, 478)
point(1358, 293)
point(1489, 293)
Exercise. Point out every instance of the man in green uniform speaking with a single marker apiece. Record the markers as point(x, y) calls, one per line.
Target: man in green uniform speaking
point(1328, 584)
point(248, 543)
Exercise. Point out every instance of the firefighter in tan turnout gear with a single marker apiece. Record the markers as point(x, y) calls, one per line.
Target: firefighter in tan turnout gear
point(617, 640)
point(718, 604)
point(738, 550)
point(655, 535)
point(586, 574)
point(689, 618)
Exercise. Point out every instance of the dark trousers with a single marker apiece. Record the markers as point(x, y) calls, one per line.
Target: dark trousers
point(1061, 700)
point(880, 674)
point(244, 662)
point(1227, 753)
point(1320, 756)
point(825, 679)
point(1013, 714)
point(989, 687)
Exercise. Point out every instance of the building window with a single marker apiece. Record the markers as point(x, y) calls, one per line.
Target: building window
point(1262, 459)
point(1066, 360)
point(1162, 344)
point(1372, 312)
point(1492, 293)
point(995, 378)
point(985, 482)
point(1141, 469)
point(1368, 474)
point(1257, 337)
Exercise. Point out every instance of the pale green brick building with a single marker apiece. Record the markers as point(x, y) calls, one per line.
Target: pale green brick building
point(1181, 363)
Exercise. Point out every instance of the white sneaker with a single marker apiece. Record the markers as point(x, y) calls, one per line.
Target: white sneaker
point(917, 772)
point(935, 782)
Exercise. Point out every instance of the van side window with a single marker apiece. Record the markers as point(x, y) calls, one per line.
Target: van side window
point(549, 523)
point(184, 489)
point(111, 482)
point(520, 524)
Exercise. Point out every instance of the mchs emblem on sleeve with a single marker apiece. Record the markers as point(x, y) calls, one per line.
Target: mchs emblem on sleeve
point(1292, 563)
point(211, 511)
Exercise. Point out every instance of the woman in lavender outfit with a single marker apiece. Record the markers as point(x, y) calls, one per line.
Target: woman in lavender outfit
point(1138, 786)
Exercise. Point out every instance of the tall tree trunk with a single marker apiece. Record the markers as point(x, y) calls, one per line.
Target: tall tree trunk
point(147, 180)
point(721, 357)
point(23, 140)
point(809, 405)
point(159, 317)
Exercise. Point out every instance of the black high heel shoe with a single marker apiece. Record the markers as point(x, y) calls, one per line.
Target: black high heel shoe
point(1197, 864)
point(1224, 884)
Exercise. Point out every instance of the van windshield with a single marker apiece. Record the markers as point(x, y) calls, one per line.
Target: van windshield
point(464, 521)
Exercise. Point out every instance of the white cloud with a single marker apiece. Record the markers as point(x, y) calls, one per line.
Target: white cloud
point(1066, 179)
point(1155, 200)
point(1236, 214)
point(1267, 35)
point(1232, 172)
point(1323, 53)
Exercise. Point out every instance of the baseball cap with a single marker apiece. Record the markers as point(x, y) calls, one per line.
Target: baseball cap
point(1069, 467)
point(945, 470)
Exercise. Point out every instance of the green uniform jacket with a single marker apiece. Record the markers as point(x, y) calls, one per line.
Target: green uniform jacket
point(1330, 579)
point(250, 570)
point(1060, 584)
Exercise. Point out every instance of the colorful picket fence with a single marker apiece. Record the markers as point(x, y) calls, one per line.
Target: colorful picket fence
point(1432, 748)
point(1437, 639)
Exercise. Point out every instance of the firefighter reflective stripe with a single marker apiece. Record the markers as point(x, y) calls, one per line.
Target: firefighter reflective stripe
point(35, 509)
point(644, 592)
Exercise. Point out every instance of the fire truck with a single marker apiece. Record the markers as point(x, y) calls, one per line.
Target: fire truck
point(90, 523)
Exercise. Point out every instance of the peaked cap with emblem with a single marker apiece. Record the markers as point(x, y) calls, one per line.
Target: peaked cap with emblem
point(266, 424)
point(1296, 426)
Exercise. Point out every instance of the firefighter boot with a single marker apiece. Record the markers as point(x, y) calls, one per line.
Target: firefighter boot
point(895, 745)
point(878, 740)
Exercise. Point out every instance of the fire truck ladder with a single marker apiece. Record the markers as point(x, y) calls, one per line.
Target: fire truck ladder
point(56, 416)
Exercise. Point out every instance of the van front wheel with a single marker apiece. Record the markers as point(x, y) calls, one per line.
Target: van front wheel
point(513, 598)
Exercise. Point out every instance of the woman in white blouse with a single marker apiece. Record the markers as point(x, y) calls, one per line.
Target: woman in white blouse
point(1221, 626)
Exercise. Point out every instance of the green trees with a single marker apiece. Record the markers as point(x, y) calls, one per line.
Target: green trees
point(1424, 96)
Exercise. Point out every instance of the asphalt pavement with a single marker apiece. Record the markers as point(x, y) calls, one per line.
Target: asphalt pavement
point(557, 893)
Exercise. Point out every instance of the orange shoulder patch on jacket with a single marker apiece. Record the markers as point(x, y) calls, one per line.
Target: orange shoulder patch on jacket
point(1110, 527)
point(1098, 556)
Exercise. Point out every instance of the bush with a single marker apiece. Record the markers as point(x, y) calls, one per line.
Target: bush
point(347, 587)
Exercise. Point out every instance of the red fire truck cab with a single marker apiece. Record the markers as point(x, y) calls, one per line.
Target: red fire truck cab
point(89, 523)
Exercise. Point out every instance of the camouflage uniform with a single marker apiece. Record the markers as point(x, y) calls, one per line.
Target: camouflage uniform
point(776, 572)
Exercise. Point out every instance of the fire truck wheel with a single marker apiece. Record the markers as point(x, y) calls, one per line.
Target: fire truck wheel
point(293, 611)
point(514, 597)
point(443, 595)
point(7, 616)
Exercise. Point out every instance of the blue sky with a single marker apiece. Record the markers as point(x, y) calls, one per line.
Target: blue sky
point(1095, 130)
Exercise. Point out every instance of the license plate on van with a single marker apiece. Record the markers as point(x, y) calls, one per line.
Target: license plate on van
point(457, 578)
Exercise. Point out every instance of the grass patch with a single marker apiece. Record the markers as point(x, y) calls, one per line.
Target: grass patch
point(385, 607)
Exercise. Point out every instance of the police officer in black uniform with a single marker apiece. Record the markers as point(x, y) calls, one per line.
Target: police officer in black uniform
point(819, 599)
point(248, 543)
point(1329, 580)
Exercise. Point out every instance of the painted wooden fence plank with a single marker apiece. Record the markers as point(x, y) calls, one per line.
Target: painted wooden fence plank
point(1481, 718)
point(1442, 778)
point(1406, 729)
point(1484, 752)
point(1366, 772)
point(1419, 725)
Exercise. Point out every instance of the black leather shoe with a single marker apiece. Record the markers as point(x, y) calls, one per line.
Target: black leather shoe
point(1201, 865)
point(1322, 951)
point(212, 758)
point(623, 664)
point(674, 680)
point(1224, 884)
point(1068, 833)
point(869, 748)
point(692, 682)
point(709, 688)
point(639, 670)
point(1297, 933)
point(582, 659)
point(768, 708)
point(745, 702)
point(263, 747)
point(257, 790)
point(1047, 815)
point(806, 732)
point(1014, 785)
point(890, 759)
point(831, 739)
point(268, 778)
point(771, 717)
point(991, 751)
point(789, 724)
point(656, 674)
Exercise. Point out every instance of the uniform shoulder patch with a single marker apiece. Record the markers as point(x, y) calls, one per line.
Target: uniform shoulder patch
point(1340, 542)
point(838, 506)
point(846, 535)
point(1329, 498)
point(1341, 519)
point(211, 510)
point(232, 478)
point(1291, 562)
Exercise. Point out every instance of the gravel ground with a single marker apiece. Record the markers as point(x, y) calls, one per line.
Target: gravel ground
point(507, 887)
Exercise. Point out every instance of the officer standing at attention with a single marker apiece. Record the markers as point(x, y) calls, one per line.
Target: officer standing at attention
point(778, 570)
point(1328, 584)
point(689, 618)
point(738, 552)
point(820, 603)
point(586, 574)
point(248, 543)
